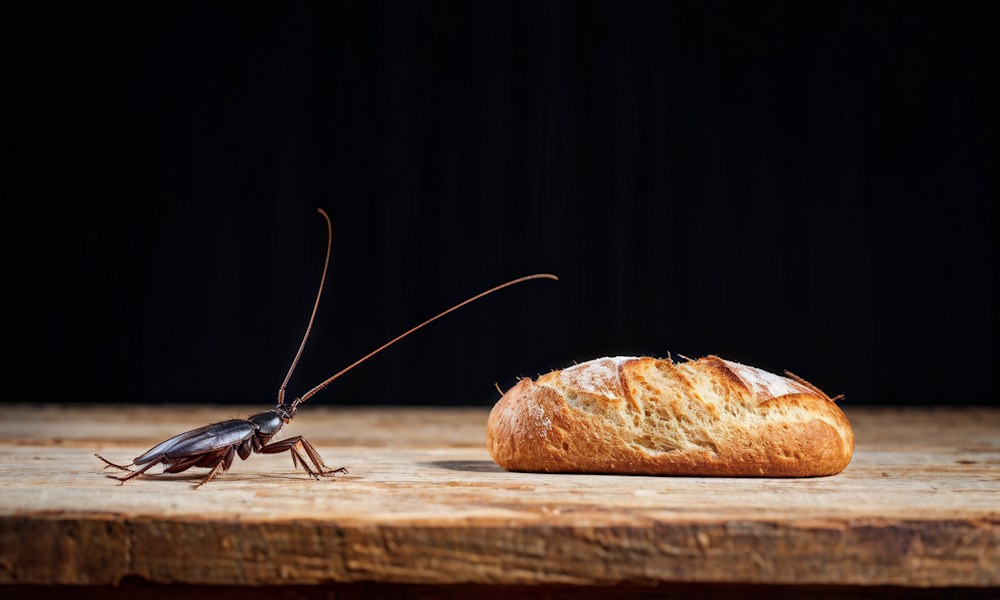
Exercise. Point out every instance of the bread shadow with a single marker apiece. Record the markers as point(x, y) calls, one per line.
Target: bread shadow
point(468, 466)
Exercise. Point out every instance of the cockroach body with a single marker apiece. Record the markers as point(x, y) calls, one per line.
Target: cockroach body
point(215, 446)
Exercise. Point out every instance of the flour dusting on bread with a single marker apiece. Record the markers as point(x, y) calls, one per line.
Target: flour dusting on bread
point(601, 376)
point(540, 420)
point(764, 385)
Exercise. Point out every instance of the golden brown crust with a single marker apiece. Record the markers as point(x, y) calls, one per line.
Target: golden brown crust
point(652, 416)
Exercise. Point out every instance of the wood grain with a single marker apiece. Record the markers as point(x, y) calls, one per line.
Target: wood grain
point(919, 505)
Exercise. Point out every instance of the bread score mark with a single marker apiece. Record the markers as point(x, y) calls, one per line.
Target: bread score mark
point(763, 384)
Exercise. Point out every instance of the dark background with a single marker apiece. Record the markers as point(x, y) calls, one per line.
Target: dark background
point(803, 186)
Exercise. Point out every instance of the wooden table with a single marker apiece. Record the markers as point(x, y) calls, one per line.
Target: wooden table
point(918, 507)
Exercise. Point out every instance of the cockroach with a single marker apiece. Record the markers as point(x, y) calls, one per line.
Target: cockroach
point(215, 446)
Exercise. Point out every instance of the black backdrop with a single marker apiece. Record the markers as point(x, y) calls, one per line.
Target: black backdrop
point(805, 187)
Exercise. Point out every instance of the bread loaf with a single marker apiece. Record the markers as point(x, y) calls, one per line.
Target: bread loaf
point(653, 416)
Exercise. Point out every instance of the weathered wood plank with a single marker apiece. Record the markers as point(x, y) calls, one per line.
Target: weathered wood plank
point(918, 506)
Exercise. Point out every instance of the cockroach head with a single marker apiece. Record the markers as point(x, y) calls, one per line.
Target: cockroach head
point(286, 411)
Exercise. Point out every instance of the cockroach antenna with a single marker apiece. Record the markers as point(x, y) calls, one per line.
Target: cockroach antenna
point(319, 387)
point(322, 280)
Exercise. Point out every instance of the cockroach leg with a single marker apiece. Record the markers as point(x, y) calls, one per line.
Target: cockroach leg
point(292, 446)
point(108, 463)
point(182, 465)
point(137, 472)
point(296, 446)
point(318, 460)
point(211, 473)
